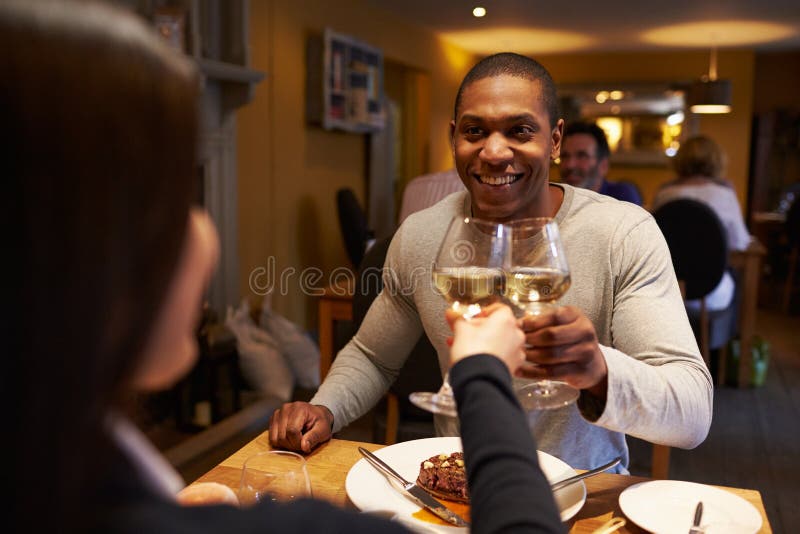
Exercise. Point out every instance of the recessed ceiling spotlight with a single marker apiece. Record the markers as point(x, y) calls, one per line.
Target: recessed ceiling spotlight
point(479, 12)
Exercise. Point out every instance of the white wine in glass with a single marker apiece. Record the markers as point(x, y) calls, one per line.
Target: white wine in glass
point(533, 289)
point(469, 288)
point(469, 272)
point(538, 277)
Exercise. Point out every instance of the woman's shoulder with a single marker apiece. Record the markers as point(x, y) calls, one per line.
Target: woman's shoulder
point(675, 182)
point(724, 182)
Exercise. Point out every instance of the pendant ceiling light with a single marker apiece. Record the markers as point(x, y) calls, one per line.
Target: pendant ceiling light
point(708, 94)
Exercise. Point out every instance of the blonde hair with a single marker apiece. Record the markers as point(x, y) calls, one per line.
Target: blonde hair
point(699, 156)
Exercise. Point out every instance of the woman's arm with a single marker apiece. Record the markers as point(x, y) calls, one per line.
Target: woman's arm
point(508, 491)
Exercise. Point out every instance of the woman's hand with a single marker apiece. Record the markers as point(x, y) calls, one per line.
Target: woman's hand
point(494, 331)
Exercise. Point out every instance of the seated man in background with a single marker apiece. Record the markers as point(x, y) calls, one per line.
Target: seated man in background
point(584, 162)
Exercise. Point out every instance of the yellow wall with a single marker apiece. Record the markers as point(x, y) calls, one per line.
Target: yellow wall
point(731, 131)
point(288, 171)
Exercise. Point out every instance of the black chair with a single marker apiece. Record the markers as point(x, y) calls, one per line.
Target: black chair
point(396, 419)
point(698, 245)
point(353, 225)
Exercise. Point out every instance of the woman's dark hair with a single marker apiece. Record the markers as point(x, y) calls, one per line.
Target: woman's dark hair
point(518, 66)
point(97, 140)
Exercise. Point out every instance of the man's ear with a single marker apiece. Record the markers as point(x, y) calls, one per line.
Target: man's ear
point(602, 167)
point(557, 135)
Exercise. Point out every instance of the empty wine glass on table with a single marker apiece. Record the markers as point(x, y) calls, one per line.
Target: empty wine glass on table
point(468, 272)
point(274, 475)
point(538, 277)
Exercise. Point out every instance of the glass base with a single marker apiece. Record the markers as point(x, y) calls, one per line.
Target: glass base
point(434, 402)
point(546, 395)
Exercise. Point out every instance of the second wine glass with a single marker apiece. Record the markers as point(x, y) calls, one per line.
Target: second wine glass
point(468, 272)
point(538, 277)
point(274, 475)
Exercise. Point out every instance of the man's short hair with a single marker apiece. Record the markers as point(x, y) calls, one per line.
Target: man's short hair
point(590, 128)
point(518, 66)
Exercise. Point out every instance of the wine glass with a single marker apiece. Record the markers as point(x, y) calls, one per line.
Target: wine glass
point(274, 475)
point(538, 277)
point(468, 272)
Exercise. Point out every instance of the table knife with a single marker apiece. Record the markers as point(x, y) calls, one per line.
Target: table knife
point(418, 494)
point(586, 474)
point(698, 515)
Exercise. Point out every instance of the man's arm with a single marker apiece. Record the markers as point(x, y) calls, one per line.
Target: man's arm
point(365, 368)
point(648, 379)
point(659, 389)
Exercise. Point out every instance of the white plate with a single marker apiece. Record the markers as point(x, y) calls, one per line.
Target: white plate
point(370, 491)
point(665, 506)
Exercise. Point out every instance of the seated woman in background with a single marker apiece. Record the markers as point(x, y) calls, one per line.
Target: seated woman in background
point(102, 299)
point(699, 165)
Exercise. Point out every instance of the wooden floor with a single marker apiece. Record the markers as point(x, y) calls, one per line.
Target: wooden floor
point(755, 434)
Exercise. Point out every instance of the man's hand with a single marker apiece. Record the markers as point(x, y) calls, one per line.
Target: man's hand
point(562, 345)
point(300, 426)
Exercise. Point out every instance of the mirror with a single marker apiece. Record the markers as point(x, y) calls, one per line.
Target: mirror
point(643, 122)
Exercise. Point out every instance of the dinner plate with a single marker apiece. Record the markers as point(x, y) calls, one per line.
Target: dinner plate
point(370, 491)
point(666, 506)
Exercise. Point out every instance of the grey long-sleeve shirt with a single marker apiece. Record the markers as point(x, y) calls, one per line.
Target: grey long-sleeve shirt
point(659, 388)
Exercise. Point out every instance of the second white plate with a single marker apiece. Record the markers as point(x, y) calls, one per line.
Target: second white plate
point(370, 491)
point(667, 506)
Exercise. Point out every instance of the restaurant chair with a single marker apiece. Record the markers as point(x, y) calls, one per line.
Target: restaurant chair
point(353, 225)
point(699, 248)
point(426, 190)
point(792, 228)
point(396, 419)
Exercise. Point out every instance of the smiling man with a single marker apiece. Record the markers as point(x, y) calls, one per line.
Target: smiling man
point(621, 335)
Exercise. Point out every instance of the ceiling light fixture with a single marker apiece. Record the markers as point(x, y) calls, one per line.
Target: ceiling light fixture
point(708, 94)
point(479, 12)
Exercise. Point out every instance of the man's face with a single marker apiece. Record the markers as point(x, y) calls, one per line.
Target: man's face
point(502, 146)
point(579, 164)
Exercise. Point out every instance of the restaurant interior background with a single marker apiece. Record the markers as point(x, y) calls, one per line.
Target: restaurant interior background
point(289, 171)
point(271, 171)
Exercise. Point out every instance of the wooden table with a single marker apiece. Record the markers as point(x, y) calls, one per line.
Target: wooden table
point(328, 466)
point(748, 263)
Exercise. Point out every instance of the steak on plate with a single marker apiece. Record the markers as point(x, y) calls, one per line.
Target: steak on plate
point(445, 477)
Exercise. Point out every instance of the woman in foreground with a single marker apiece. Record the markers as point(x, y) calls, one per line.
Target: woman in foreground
point(98, 135)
